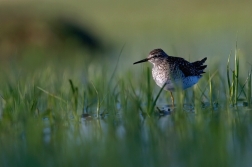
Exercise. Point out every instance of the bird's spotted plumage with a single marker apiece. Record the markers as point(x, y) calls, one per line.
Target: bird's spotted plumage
point(175, 72)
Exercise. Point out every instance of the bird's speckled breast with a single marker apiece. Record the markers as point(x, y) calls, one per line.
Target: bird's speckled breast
point(160, 76)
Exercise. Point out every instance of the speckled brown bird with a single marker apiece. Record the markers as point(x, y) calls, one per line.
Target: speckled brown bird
point(174, 72)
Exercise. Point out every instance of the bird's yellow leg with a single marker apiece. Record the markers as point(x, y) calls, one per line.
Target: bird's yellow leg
point(172, 98)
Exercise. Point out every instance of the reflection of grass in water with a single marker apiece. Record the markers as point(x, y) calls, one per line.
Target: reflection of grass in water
point(41, 122)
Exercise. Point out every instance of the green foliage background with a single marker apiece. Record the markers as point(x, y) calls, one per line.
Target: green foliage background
point(102, 117)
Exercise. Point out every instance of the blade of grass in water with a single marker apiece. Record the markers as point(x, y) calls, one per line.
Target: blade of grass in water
point(117, 62)
point(149, 91)
point(233, 89)
point(210, 90)
point(75, 96)
point(243, 87)
point(52, 95)
point(155, 101)
point(249, 89)
point(228, 77)
point(236, 74)
point(210, 86)
point(98, 101)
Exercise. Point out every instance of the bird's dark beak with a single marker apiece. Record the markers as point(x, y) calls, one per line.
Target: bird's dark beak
point(141, 61)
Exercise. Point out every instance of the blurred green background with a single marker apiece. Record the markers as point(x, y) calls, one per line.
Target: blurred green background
point(102, 118)
point(183, 28)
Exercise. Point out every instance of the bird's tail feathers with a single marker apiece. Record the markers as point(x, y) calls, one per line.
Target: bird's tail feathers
point(199, 65)
point(200, 62)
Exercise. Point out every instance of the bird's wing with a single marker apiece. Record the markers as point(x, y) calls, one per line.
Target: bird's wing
point(186, 67)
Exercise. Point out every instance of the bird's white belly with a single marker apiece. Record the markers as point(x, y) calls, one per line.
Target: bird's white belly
point(177, 83)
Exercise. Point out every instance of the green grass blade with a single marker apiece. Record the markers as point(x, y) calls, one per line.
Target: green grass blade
point(72, 86)
point(149, 91)
point(52, 95)
point(117, 62)
point(228, 77)
point(236, 77)
point(233, 89)
point(75, 92)
point(98, 101)
point(249, 89)
point(155, 101)
point(210, 89)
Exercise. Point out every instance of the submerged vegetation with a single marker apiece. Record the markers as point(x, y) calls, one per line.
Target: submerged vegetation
point(90, 116)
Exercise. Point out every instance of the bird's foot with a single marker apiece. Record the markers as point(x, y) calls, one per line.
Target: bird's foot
point(163, 111)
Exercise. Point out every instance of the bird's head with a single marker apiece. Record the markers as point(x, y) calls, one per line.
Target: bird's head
point(156, 56)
